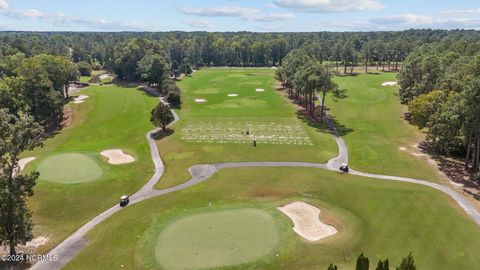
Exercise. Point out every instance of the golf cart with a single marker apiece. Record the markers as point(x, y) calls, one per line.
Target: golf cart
point(124, 200)
point(344, 168)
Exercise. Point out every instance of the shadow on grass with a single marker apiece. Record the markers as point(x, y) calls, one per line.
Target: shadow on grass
point(157, 136)
point(323, 127)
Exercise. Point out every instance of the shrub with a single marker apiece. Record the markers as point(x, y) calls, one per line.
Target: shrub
point(174, 98)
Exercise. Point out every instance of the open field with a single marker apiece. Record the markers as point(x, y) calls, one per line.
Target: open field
point(216, 130)
point(371, 121)
point(381, 219)
point(113, 117)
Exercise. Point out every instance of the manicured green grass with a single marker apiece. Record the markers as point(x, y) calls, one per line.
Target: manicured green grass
point(85, 79)
point(113, 117)
point(216, 238)
point(379, 140)
point(379, 218)
point(215, 131)
point(69, 168)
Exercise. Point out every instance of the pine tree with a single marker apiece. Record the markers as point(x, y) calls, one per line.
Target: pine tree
point(362, 263)
point(407, 263)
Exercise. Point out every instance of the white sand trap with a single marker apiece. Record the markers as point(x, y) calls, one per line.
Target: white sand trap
point(260, 90)
point(105, 76)
point(233, 95)
point(389, 83)
point(402, 148)
point(200, 100)
point(80, 99)
point(22, 163)
point(117, 157)
point(306, 221)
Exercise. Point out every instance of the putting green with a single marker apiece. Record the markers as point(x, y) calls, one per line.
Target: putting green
point(216, 239)
point(69, 168)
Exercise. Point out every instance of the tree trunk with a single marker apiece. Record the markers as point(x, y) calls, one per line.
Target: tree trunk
point(13, 252)
point(336, 63)
point(345, 69)
point(477, 156)
point(469, 146)
point(366, 66)
point(322, 109)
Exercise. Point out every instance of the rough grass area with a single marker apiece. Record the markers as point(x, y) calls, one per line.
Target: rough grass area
point(379, 218)
point(113, 117)
point(372, 123)
point(211, 132)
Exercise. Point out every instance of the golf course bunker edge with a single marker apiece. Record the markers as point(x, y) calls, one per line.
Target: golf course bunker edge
point(69, 168)
point(217, 238)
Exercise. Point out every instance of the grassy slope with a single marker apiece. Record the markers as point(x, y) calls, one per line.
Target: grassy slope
point(382, 219)
point(113, 117)
point(214, 85)
point(374, 116)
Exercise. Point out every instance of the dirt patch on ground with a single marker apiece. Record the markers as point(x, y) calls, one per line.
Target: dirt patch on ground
point(67, 117)
point(306, 221)
point(28, 248)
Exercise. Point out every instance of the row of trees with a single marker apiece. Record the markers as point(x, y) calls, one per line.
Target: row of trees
point(441, 85)
point(407, 263)
point(110, 50)
point(305, 78)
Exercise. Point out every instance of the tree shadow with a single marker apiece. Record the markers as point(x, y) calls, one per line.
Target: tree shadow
point(323, 126)
point(159, 135)
point(341, 129)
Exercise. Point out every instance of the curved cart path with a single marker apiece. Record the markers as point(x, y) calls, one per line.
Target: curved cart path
point(74, 243)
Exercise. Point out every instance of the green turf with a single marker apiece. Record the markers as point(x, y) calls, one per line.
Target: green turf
point(85, 79)
point(69, 168)
point(113, 117)
point(382, 219)
point(211, 132)
point(216, 239)
point(372, 123)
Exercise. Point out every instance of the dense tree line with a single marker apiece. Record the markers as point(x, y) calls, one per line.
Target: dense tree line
point(385, 49)
point(440, 83)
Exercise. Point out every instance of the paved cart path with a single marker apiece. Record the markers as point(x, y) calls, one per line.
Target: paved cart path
point(74, 243)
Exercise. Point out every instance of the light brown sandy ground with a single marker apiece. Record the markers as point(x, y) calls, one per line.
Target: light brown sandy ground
point(117, 157)
point(306, 221)
point(80, 99)
point(389, 83)
point(22, 163)
point(200, 100)
point(28, 248)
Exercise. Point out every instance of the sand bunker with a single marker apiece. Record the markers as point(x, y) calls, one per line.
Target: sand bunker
point(23, 162)
point(105, 76)
point(389, 83)
point(80, 99)
point(306, 221)
point(200, 100)
point(233, 95)
point(116, 157)
point(260, 90)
